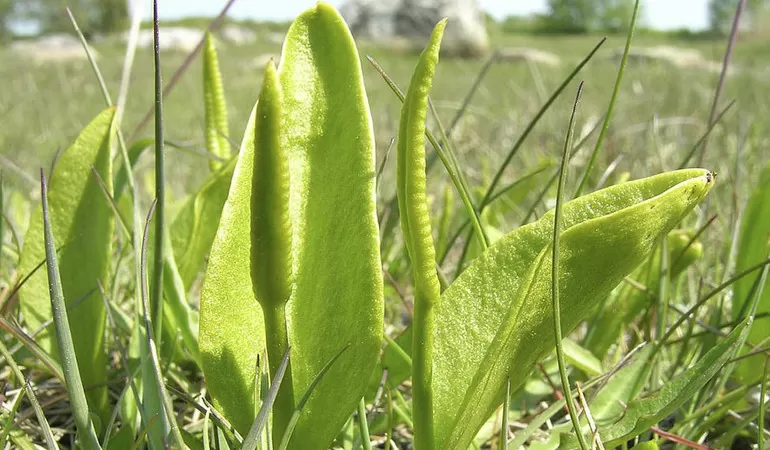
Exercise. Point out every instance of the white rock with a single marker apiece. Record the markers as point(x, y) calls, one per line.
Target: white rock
point(511, 54)
point(683, 58)
point(181, 39)
point(385, 20)
point(237, 35)
point(52, 48)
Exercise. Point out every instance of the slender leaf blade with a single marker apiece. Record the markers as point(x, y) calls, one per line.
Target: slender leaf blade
point(77, 395)
point(644, 412)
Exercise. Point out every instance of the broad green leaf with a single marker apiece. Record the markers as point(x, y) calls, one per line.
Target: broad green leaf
point(217, 129)
point(494, 321)
point(622, 387)
point(195, 225)
point(82, 224)
point(337, 298)
point(754, 247)
point(644, 412)
point(231, 332)
point(627, 302)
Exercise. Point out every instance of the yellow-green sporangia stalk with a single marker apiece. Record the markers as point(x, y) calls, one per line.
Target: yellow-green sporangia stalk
point(415, 224)
point(217, 128)
point(271, 237)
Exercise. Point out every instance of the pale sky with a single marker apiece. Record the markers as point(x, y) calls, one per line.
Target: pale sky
point(661, 14)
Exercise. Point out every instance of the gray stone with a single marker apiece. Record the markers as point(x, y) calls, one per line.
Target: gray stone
point(386, 21)
point(238, 35)
point(525, 54)
point(180, 39)
point(52, 48)
point(678, 57)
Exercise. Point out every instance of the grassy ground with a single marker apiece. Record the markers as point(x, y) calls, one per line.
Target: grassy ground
point(662, 110)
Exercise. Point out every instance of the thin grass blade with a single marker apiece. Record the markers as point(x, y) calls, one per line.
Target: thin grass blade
point(613, 100)
point(66, 344)
point(555, 262)
point(254, 436)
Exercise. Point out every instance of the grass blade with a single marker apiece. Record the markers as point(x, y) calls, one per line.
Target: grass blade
point(613, 99)
point(305, 397)
point(762, 399)
point(252, 439)
point(91, 60)
point(152, 349)
point(123, 352)
point(10, 327)
point(555, 271)
point(517, 145)
point(63, 336)
point(47, 433)
point(366, 440)
point(723, 73)
point(113, 204)
point(9, 425)
point(465, 194)
point(213, 26)
point(156, 298)
point(705, 135)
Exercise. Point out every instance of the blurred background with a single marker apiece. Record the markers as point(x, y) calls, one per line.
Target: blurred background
point(48, 91)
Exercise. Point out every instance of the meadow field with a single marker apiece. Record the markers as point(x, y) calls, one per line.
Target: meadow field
point(662, 110)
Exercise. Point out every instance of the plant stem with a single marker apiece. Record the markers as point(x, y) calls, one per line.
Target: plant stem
point(422, 371)
point(156, 300)
point(555, 276)
point(366, 441)
point(277, 336)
